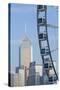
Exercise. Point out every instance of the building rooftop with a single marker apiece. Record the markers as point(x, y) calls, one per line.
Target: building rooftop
point(25, 41)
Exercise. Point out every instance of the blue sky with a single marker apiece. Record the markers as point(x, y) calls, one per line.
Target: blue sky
point(22, 14)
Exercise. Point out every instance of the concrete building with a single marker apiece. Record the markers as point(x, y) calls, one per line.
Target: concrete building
point(16, 79)
point(35, 74)
point(25, 57)
point(25, 52)
point(19, 79)
point(12, 79)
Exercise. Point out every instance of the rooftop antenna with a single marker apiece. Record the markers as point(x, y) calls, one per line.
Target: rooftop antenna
point(25, 28)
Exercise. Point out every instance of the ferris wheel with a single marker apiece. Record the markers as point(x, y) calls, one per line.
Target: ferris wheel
point(44, 46)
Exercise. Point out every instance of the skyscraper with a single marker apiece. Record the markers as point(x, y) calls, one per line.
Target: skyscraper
point(25, 55)
point(35, 74)
point(25, 52)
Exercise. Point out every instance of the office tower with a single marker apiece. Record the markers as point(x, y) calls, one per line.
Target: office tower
point(12, 79)
point(35, 74)
point(25, 51)
point(25, 55)
point(20, 77)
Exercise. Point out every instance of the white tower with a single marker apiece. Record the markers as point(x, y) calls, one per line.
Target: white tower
point(25, 51)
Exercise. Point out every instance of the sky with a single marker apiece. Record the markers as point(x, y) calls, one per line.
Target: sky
point(26, 14)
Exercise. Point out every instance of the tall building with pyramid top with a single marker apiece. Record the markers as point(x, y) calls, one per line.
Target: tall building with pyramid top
point(25, 52)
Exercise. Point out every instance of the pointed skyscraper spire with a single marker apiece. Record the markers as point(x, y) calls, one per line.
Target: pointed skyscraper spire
point(25, 28)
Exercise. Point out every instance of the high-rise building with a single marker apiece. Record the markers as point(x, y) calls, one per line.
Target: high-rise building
point(12, 79)
point(25, 52)
point(35, 74)
point(20, 77)
point(25, 55)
